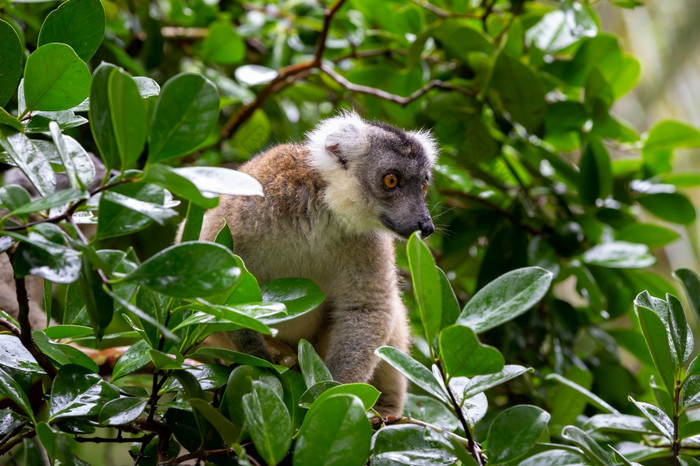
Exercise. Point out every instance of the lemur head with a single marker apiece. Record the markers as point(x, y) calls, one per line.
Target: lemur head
point(376, 175)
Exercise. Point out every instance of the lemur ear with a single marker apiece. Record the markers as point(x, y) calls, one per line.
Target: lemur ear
point(427, 141)
point(337, 141)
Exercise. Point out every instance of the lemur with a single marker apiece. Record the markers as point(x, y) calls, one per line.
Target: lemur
point(331, 209)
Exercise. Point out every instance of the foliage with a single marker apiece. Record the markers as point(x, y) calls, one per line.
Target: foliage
point(538, 187)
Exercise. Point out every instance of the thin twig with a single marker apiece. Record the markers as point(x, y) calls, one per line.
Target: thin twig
point(10, 444)
point(25, 328)
point(11, 327)
point(397, 99)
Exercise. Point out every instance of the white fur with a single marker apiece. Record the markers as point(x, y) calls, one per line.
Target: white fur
point(426, 139)
point(347, 131)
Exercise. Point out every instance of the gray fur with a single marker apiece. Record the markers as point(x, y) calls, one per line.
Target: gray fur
point(327, 216)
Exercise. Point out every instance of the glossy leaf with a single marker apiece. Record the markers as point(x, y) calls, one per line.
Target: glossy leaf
point(481, 383)
point(463, 354)
point(15, 356)
point(128, 117)
point(619, 255)
point(52, 261)
point(122, 411)
point(101, 117)
point(505, 298)
point(56, 199)
point(681, 335)
point(312, 366)
point(132, 360)
point(78, 23)
point(78, 392)
point(427, 287)
point(620, 423)
point(55, 78)
point(188, 270)
point(595, 179)
point(410, 445)
point(520, 91)
point(62, 353)
point(166, 177)
point(662, 139)
point(268, 421)
point(11, 56)
point(592, 397)
point(30, 160)
point(222, 45)
point(81, 163)
point(593, 452)
point(691, 391)
point(657, 417)
point(366, 393)
point(185, 114)
point(156, 212)
point(647, 233)
point(218, 180)
point(412, 369)
point(229, 433)
point(657, 341)
point(240, 383)
point(691, 284)
point(10, 388)
point(557, 457)
point(298, 295)
point(515, 431)
point(335, 431)
point(114, 219)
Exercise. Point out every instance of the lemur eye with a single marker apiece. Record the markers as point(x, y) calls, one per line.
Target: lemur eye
point(425, 187)
point(391, 180)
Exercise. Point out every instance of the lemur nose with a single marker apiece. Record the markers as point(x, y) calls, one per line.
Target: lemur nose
point(426, 228)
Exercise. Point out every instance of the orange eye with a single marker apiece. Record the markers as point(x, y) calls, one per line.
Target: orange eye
point(425, 187)
point(391, 181)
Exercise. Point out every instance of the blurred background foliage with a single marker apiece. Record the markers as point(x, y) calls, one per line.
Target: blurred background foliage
point(550, 155)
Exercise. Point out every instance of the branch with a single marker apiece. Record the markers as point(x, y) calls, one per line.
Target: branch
point(25, 328)
point(397, 99)
point(285, 76)
point(10, 444)
point(11, 327)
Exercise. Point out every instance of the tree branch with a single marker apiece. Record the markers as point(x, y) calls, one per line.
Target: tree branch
point(11, 327)
point(25, 328)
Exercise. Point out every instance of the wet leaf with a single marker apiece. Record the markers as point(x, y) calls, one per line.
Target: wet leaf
point(312, 366)
point(11, 56)
point(515, 431)
point(78, 392)
point(427, 287)
point(29, 160)
point(410, 445)
point(78, 23)
point(463, 354)
point(15, 356)
point(412, 369)
point(268, 421)
point(11, 389)
point(122, 411)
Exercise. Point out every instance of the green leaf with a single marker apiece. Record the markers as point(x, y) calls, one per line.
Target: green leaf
point(519, 92)
point(657, 340)
point(428, 409)
point(185, 114)
point(101, 116)
point(268, 421)
point(691, 284)
point(11, 55)
point(13, 196)
point(206, 353)
point(482, 383)
point(98, 304)
point(6, 118)
point(691, 391)
point(240, 383)
point(156, 212)
point(189, 270)
point(463, 354)
point(56, 199)
point(78, 23)
point(128, 117)
point(621, 423)
point(218, 180)
point(652, 235)
point(122, 411)
point(657, 417)
point(662, 139)
point(166, 177)
point(427, 287)
point(412, 369)
point(592, 397)
point(673, 207)
point(558, 457)
point(410, 445)
point(193, 223)
point(367, 393)
point(299, 296)
point(62, 353)
point(505, 298)
point(593, 452)
point(132, 360)
point(619, 255)
point(55, 78)
point(559, 29)
point(222, 45)
point(515, 431)
point(78, 392)
point(37, 255)
point(29, 160)
point(335, 431)
point(80, 161)
point(114, 219)
point(15, 356)
point(312, 366)
point(595, 179)
point(681, 335)
point(10, 388)
point(229, 432)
